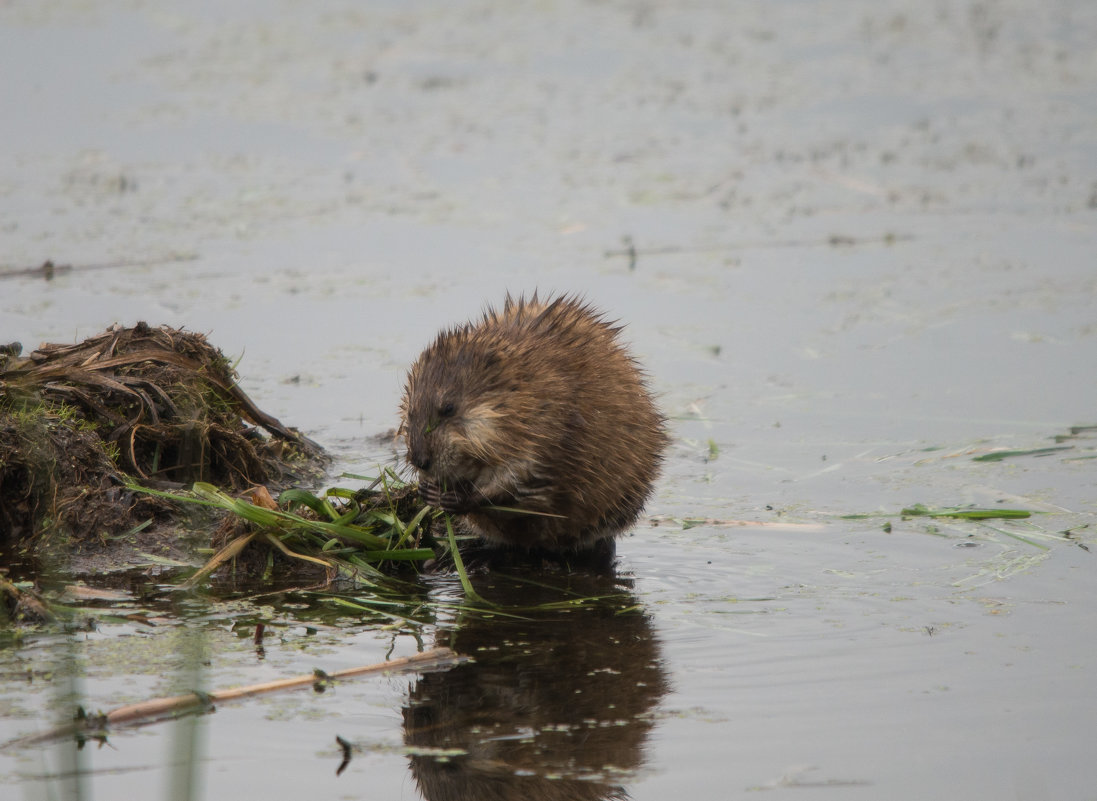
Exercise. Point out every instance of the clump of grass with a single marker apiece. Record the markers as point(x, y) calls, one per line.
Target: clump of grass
point(361, 537)
point(350, 534)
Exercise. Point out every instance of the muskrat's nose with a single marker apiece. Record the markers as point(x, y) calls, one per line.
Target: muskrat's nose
point(420, 460)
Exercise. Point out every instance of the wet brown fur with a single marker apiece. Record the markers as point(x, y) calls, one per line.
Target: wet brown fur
point(540, 408)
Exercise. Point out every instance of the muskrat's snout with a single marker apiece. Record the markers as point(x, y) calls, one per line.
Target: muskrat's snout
point(420, 459)
point(418, 453)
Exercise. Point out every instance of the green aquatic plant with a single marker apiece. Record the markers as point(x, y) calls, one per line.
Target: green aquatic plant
point(965, 513)
point(958, 512)
point(997, 456)
point(349, 533)
point(362, 539)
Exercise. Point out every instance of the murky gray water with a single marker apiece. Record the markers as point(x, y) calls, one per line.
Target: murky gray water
point(865, 238)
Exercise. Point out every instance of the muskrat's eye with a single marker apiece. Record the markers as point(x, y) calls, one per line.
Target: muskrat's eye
point(447, 410)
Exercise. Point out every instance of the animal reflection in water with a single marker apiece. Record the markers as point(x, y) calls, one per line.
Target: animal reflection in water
point(557, 706)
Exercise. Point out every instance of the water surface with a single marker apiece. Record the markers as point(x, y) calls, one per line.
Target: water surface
point(863, 239)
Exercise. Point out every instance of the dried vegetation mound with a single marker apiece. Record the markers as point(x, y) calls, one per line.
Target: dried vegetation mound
point(78, 423)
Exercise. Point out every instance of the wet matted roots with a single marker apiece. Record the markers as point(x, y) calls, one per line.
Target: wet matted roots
point(160, 405)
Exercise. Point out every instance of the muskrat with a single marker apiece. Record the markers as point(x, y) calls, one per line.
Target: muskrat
point(540, 410)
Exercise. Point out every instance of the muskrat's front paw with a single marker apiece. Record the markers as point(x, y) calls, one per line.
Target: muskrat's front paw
point(450, 501)
point(430, 493)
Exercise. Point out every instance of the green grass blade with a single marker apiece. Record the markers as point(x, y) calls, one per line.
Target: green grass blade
point(470, 593)
point(399, 555)
point(997, 456)
point(320, 506)
point(174, 496)
point(405, 535)
point(918, 510)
